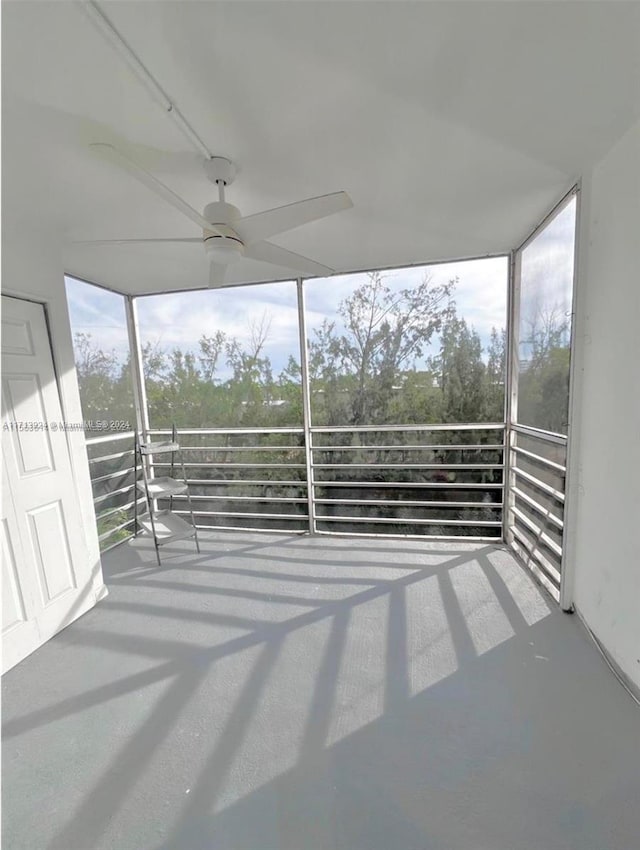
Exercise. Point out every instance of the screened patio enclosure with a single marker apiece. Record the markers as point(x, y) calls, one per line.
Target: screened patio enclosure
point(369, 428)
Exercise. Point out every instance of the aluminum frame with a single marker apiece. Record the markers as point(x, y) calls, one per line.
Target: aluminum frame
point(572, 460)
point(309, 432)
point(513, 537)
point(306, 404)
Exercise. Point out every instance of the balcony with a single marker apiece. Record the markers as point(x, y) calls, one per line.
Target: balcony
point(312, 692)
point(381, 277)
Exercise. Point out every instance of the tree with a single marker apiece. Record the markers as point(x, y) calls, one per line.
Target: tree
point(211, 347)
point(373, 365)
point(543, 385)
point(462, 372)
point(105, 384)
point(357, 371)
point(496, 375)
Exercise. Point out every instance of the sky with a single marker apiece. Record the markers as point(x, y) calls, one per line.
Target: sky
point(99, 313)
point(180, 319)
point(546, 277)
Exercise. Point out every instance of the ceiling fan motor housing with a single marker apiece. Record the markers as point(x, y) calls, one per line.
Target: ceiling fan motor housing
point(224, 247)
point(220, 212)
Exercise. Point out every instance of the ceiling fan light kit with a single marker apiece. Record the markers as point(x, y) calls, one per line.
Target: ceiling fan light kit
point(223, 249)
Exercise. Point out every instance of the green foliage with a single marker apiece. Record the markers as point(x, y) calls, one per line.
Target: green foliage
point(543, 383)
point(105, 384)
point(373, 365)
point(187, 389)
point(390, 357)
point(105, 524)
point(357, 374)
point(371, 371)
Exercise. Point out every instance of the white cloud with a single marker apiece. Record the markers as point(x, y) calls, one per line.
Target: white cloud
point(100, 314)
point(180, 319)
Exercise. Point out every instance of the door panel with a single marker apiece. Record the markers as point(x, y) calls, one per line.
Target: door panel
point(13, 607)
point(23, 403)
point(46, 574)
point(50, 544)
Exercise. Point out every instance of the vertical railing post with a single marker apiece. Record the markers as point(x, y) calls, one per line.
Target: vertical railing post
point(306, 407)
point(511, 391)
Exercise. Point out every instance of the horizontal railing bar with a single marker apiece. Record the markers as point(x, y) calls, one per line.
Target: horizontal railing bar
point(111, 457)
point(372, 447)
point(242, 448)
point(541, 434)
point(245, 514)
point(405, 521)
point(253, 528)
point(453, 538)
point(410, 503)
point(539, 459)
point(551, 568)
point(433, 485)
point(224, 465)
point(540, 535)
point(249, 482)
point(537, 483)
point(113, 493)
point(113, 545)
point(125, 471)
point(113, 530)
point(122, 435)
point(538, 507)
point(363, 429)
point(408, 465)
point(531, 543)
point(285, 499)
point(229, 431)
point(115, 510)
point(323, 429)
point(545, 575)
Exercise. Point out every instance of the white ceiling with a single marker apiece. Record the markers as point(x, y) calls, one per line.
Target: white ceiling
point(453, 125)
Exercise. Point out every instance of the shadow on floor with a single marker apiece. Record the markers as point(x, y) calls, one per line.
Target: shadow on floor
point(287, 693)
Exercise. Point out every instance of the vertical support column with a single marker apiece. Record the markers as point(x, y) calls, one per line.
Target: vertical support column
point(511, 390)
point(306, 407)
point(137, 372)
point(576, 368)
point(137, 379)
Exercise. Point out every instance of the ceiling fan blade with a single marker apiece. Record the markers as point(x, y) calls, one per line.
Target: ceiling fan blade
point(269, 253)
point(254, 228)
point(117, 157)
point(216, 275)
point(92, 242)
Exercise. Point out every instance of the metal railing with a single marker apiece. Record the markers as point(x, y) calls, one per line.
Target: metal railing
point(243, 478)
point(535, 514)
point(112, 471)
point(419, 480)
point(444, 481)
point(438, 481)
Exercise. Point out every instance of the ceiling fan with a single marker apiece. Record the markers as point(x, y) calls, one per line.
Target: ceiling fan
point(227, 235)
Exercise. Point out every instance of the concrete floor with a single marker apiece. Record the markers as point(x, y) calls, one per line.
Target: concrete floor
point(292, 693)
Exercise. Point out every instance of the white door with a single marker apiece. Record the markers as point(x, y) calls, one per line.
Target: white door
point(45, 572)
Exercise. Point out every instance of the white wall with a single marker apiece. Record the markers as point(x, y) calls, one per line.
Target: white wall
point(32, 268)
point(606, 411)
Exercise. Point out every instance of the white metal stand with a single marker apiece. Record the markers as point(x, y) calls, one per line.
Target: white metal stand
point(164, 525)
